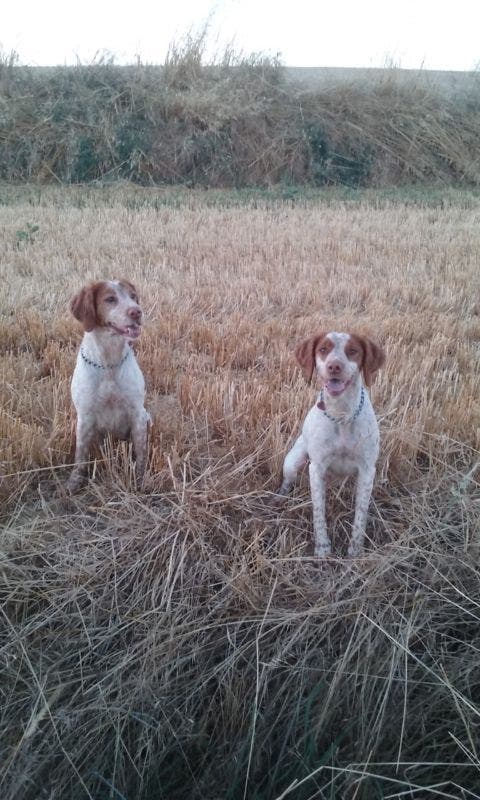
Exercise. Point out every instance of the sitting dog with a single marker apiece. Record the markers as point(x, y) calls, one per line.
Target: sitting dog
point(108, 389)
point(340, 433)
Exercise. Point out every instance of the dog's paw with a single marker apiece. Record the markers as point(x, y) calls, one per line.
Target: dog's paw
point(279, 497)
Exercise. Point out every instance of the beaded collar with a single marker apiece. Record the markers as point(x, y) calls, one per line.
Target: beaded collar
point(104, 366)
point(342, 420)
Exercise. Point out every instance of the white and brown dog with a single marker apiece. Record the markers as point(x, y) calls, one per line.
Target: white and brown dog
point(340, 433)
point(108, 389)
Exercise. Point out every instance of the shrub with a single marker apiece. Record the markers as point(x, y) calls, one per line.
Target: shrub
point(237, 121)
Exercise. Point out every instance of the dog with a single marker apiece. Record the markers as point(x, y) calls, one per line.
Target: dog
point(108, 389)
point(340, 434)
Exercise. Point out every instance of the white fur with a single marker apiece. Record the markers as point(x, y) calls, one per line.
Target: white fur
point(109, 400)
point(343, 448)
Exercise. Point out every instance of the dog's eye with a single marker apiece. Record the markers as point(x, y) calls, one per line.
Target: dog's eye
point(133, 296)
point(352, 353)
point(111, 299)
point(322, 350)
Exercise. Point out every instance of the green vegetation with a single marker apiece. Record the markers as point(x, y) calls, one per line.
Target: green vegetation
point(239, 122)
point(27, 235)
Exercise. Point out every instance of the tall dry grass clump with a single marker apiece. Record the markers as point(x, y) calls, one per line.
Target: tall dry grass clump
point(237, 121)
point(182, 642)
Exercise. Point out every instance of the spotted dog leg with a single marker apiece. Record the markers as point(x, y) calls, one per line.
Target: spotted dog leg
point(323, 545)
point(85, 435)
point(295, 459)
point(140, 445)
point(362, 500)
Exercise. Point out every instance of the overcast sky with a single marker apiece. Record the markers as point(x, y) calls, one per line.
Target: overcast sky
point(336, 33)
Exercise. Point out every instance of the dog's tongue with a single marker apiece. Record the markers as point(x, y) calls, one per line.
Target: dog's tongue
point(335, 386)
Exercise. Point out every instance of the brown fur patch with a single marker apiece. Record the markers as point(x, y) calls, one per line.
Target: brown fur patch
point(373, 356)
point(84, 305)
point(355, 350)
point(306, 351)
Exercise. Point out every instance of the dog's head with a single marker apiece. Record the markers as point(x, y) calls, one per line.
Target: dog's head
point(109, 304)
point(338, 358)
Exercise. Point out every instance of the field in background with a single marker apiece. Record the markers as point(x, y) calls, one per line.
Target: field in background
point(448, 82)
point(182, 642)
point(239, 121)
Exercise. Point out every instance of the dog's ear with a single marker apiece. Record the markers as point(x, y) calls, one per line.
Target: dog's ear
point(305, 355)
point(373, 359)
point(83, 307)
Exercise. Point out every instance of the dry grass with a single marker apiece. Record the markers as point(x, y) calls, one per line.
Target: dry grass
point(182, 642)
point(239, 121)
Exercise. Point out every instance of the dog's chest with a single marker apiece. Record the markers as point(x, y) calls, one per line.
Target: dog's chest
point(113, 406)
point(110, 399)
point(342, 448)
point(111, 395)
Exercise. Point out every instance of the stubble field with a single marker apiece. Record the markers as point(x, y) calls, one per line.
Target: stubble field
point(182, 642)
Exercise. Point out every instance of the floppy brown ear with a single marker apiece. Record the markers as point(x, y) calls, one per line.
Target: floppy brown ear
point(305, 355)
point(83, 307)
point(373, 359)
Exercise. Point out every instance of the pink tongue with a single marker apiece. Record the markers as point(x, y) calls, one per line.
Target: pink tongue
point(134, 332)
point(335, 387)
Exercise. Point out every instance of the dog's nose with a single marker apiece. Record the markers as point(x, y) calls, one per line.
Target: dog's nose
point(134, 313)
point(334, 367)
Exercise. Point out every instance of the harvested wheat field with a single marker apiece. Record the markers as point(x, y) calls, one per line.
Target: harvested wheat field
point(182, 642)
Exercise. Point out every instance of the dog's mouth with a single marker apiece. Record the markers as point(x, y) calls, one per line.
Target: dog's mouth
point(335, 386)
point(132, 331)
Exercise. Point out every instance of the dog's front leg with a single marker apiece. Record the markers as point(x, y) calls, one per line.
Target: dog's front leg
point(323, 545)
point(362, 500)
point(140, 446)
point(295, 459)
point(85, 435)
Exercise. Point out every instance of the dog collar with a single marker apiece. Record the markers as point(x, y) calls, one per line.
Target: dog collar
point(104, 366)
point(342, 420)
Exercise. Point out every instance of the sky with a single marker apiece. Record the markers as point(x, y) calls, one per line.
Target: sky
point(413, 34)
